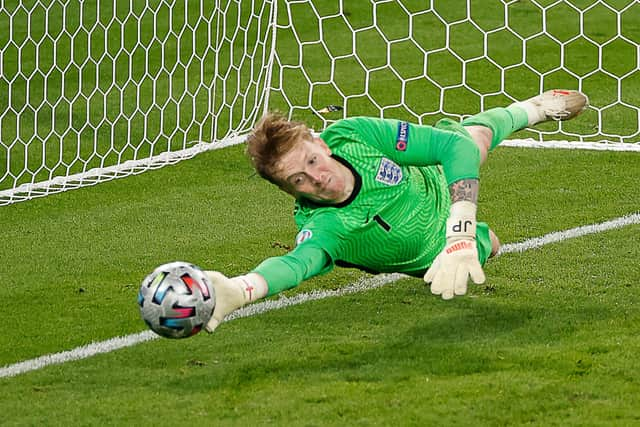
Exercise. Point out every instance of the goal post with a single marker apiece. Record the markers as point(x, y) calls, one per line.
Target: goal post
point(91, 91)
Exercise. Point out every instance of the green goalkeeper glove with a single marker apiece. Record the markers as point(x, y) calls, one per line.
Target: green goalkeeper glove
point(458, 260)
point(232, 294)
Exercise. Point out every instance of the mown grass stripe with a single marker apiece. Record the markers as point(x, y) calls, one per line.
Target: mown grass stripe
point(380, 280)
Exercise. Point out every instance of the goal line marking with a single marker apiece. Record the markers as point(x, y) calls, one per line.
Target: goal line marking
point(132, 167)
point(374, 282)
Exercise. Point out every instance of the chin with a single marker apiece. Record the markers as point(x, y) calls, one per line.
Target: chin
point(323, 199)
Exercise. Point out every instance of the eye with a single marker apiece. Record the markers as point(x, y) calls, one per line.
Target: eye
point(298, 180)
point(313, 159)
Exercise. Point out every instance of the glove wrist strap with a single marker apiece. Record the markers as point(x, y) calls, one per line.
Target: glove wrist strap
point(461, 223)
point(253, 286)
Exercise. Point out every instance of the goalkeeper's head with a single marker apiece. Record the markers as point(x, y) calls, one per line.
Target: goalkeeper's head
point(273, 137)
point(287, 154)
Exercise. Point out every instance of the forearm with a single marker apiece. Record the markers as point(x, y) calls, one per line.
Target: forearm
point(462, 216)
point(458, 260)
point(288, 271)
point(272, 276)
point(464, 190)
point(279, 275)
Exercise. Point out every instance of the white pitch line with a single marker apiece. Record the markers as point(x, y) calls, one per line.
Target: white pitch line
point(77, 353)
point(559, 236)
point(380, 280)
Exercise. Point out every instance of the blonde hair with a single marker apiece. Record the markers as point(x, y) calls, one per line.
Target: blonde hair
point(272, 137)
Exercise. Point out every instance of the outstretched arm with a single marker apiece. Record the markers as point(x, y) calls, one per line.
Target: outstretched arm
point(451, 269)
point(271, 277)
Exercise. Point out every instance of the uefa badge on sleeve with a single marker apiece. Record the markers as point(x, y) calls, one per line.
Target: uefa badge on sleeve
point(402, 138)
point(303, 235)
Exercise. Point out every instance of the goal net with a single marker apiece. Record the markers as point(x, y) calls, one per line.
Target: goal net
point(94, 90)
point(97, 90)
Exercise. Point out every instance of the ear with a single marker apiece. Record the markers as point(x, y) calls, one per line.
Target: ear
point(321, 143)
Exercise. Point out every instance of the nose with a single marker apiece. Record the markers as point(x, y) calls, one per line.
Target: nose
point(315, 176)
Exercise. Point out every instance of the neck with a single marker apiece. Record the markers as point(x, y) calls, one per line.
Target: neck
point(349, 182)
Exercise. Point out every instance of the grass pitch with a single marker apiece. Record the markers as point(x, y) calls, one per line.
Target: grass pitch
point(550, 339)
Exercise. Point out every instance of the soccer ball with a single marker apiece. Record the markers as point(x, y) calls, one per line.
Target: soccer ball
point(176, 300)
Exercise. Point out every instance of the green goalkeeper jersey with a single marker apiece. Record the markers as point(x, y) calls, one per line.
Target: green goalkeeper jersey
point(394, 220)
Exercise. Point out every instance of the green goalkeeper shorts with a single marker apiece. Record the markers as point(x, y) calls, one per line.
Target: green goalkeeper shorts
point(483, 242)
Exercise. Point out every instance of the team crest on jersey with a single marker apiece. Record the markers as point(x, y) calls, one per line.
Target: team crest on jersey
point(389, 173)
point(303, 235)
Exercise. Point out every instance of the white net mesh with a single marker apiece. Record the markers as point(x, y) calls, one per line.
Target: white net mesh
point(425, 60)
point(96, 90)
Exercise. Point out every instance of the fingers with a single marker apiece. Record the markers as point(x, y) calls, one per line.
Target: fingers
point(430, 275)
point(477, 274)
point(212, 325)
point(460, 281)
point(440, 285)
point(432, 271)
point(449, 284)
point(216, 277)
point(447, 294)
point(454, 281)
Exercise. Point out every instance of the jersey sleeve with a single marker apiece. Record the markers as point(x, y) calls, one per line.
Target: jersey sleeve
point(288, 271)
point(418, 145)
point(317, 248)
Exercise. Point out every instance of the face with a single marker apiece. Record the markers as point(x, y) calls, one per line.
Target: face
point(308, 170)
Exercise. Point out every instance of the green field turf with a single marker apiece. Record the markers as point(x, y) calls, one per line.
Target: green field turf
point(550, 340)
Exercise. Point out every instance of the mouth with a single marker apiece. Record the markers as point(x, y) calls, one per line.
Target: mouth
point(324, 185)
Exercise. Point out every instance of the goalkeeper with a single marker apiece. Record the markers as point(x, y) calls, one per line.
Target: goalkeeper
point(383, 196)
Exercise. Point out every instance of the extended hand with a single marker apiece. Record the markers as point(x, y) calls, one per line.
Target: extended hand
point(451, 269)
point(229, 297)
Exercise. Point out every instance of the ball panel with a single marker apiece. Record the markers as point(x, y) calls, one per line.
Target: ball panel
point(176, 300)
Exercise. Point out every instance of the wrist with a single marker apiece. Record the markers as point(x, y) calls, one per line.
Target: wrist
point(253, 286)
point(461, 223)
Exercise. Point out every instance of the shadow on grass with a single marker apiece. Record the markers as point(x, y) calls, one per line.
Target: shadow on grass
point(370, 339)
